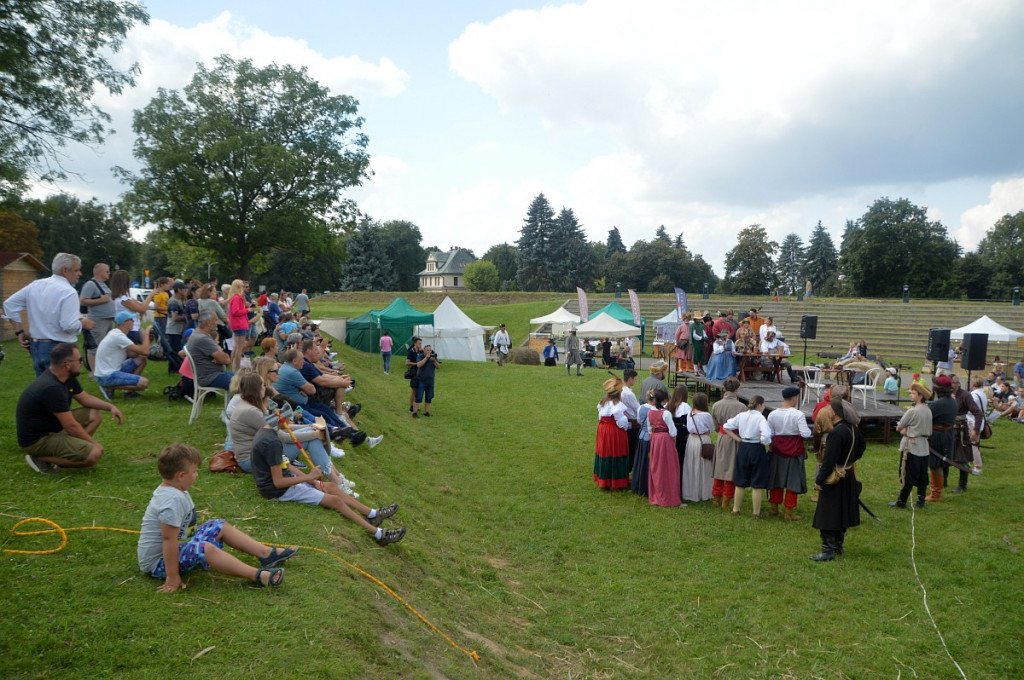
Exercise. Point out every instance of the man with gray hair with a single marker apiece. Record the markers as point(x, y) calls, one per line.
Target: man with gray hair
point(99, 306)
point(45, 312)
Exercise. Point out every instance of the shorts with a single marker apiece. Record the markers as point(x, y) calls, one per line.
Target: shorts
point(253, 331)
point(752, 466)
point(61, 444)
point(124, 377)
point(241, 334)
point(302, 493)
point(192, 553)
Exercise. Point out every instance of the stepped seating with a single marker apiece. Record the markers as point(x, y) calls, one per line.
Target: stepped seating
point(895, 330)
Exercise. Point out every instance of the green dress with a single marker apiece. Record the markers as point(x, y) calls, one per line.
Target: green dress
point(699, 352)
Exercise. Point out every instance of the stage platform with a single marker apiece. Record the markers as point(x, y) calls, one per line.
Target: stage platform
point(881, 415)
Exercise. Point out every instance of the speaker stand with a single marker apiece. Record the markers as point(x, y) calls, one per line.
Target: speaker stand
point(805, 352)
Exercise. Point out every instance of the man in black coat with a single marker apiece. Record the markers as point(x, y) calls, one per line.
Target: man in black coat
point(838, 508)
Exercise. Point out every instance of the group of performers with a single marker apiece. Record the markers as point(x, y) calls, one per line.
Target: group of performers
point(710, 348)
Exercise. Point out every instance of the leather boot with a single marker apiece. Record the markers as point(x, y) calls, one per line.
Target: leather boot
point(717, 501)
point(828, 552)
point(837, 541)
point(774, 510)
point(935, 493)
point(920, 501)
point(962, 486)
point(898, 503)
point(790, 514)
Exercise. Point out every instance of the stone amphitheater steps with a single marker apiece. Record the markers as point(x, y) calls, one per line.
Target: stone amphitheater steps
point(891, 328)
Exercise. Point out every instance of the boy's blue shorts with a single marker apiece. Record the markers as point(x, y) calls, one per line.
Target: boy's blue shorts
point(191, 552)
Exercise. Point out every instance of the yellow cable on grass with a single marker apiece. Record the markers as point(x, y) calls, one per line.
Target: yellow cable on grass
point(57, 529)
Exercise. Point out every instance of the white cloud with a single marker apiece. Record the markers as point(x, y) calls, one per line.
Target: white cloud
point(1005, 198)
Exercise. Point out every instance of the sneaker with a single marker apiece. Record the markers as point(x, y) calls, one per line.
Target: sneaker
point(106, 395)
point(976, 471)
point(373, 441)
point(415, 414)
point(189, 399)
point(357, 438)
point(337, 452)
point(354, 410)
point(391, 536)
point(44, 468)
point(383, 514)
point(133, 395)
point(426, 414)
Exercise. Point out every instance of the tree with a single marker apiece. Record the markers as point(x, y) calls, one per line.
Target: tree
point(571, 260)
point(895, 243)
point(1002, 249)
point(973, 276)
point(821, 261)
point(481, 276)
point(244, 157)
point(662, 235)
point(615, 244)
point(749, 268)
point(533, 244)
point(401, 241)
point(53, 54)
point(505, 260)
point(789, 267)
point(18, 235)
point(92, 231)
point(368, 267)
point(678, 242)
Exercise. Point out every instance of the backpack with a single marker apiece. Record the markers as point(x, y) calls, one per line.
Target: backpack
point(175, 392)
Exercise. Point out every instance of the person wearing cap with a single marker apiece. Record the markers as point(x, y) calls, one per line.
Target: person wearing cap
point(572, 353)
point(503, 343)
point(838, 508)
point(789, 429)
point(891, 387)
point(943, 410)
point(119, 361)
point(611, 453)
point(723, 359)
point(772, 346)
point(967, 430)
point(916, 427)
point(657, 377)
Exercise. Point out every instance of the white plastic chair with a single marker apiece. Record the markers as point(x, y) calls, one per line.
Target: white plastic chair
point(870, 386)
point(810, 384)
point(199, 393)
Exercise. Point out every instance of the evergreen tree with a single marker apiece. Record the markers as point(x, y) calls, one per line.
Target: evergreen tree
point(749, 268)
point(789, 267)
point(678, 243)
point(615, 244)
point(369, 267)
point(821, 261)
point(570, 259)
point(504, 258)
point(662, 235)
point(533, 246)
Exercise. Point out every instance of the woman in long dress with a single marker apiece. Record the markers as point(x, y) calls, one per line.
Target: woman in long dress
point(697, 471)
point(679, 410)
point(663, 478)
point(611, 455)
point(723, 363)
point(641, 466)
point(683, 360)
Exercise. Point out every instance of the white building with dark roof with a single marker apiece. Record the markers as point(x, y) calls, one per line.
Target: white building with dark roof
point(444, 271)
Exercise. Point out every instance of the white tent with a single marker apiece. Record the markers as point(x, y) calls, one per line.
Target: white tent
point(665, 327)
point(986, 326)
point(605, 326)
point(561, 320)
point(454, 335)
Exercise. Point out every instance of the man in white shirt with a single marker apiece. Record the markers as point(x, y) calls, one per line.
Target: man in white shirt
point(789, 429)
point(502, 342)
point(632, 405)
point(115, 369)
point(45, 312)
point(775, 347)
point(768, 327)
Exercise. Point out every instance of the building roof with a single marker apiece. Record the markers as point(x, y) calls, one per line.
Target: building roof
point(452, 262)
point(8, 257)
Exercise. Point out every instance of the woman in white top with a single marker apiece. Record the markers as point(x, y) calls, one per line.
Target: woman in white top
point(981, 399)
point(123, 302)
point(611, 455)
point(697, 471)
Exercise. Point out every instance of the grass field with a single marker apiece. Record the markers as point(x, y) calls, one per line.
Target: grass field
point(511, 552)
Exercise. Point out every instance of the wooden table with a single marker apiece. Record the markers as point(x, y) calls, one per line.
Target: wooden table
point(751, 364)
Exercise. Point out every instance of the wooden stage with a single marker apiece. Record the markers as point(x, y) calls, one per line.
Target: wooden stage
point(883, 415)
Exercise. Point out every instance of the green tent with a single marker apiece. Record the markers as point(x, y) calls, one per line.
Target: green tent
point(617, 312)
point(399, 318)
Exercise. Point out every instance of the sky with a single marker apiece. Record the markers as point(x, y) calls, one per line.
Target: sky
point(702, 117)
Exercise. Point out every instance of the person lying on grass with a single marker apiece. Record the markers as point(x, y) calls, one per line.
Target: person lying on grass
point(276, 481)
point(171, 518)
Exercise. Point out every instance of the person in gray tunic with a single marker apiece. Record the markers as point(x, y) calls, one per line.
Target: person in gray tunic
point(572, 353)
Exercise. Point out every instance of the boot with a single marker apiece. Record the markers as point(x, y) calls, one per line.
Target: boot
point(791, 515)
point(774, 510)
point(716, 501)
point(899, 503)
point(935, 494)
point(920, 501)
point(962, 486)
point(837, 541)
point(828, 551)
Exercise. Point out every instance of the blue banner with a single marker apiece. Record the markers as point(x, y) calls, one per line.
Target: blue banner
point(681, 302)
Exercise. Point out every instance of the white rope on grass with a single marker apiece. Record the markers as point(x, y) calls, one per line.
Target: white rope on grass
point(924, 592)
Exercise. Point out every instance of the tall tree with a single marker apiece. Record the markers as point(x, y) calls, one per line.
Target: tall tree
point(789, 267)
point(570, 259)
point(91, 230)
point(244, 156)
point(402, 242)
point(678, 242)
point(505, 260)
point(368, 267)
point(1002, 249)
point(895, 243)
point(821, 261)
point(18, 235)
point(533, 246)
point(615, 244)
point(749, 266)
point(53, 55)
point(662, 235)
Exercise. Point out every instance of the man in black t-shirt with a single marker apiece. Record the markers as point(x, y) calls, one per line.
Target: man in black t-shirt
point(427, 364)
point(412, 359)
point(50, 433)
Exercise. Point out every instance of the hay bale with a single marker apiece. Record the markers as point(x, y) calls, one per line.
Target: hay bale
point(524, 355)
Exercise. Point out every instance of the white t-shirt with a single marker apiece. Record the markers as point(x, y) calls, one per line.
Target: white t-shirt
point(111, 353)
point(118, 307)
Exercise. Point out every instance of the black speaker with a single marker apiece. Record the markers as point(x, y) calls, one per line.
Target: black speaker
point(809, 326)
point(973, 351)
point(938, 344)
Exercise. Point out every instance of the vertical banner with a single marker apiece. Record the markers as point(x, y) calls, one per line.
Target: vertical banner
point(634, 303)
point(681, 302)
point(584, 311)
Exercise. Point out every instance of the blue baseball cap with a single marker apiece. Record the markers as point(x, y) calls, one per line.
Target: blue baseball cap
point(124, 316)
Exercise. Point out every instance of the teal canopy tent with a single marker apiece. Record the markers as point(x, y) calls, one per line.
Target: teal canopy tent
point(399, 318)
point(616, 311)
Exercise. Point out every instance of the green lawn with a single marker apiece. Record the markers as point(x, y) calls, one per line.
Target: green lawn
point(511, 551)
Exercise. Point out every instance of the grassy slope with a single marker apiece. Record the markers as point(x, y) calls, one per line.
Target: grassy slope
point(511, 551)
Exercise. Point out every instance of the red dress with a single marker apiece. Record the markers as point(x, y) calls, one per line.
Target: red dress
point(611, 455)
point(663, 485)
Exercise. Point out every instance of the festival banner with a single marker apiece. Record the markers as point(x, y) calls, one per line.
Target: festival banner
point(681, 302)
point(634, 303)
point(584, 311)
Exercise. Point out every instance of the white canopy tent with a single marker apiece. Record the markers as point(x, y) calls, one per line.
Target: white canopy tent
point(562, 321)
point(665, 327)
point(453, 334)
point(995, 332)
point(605, 326)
